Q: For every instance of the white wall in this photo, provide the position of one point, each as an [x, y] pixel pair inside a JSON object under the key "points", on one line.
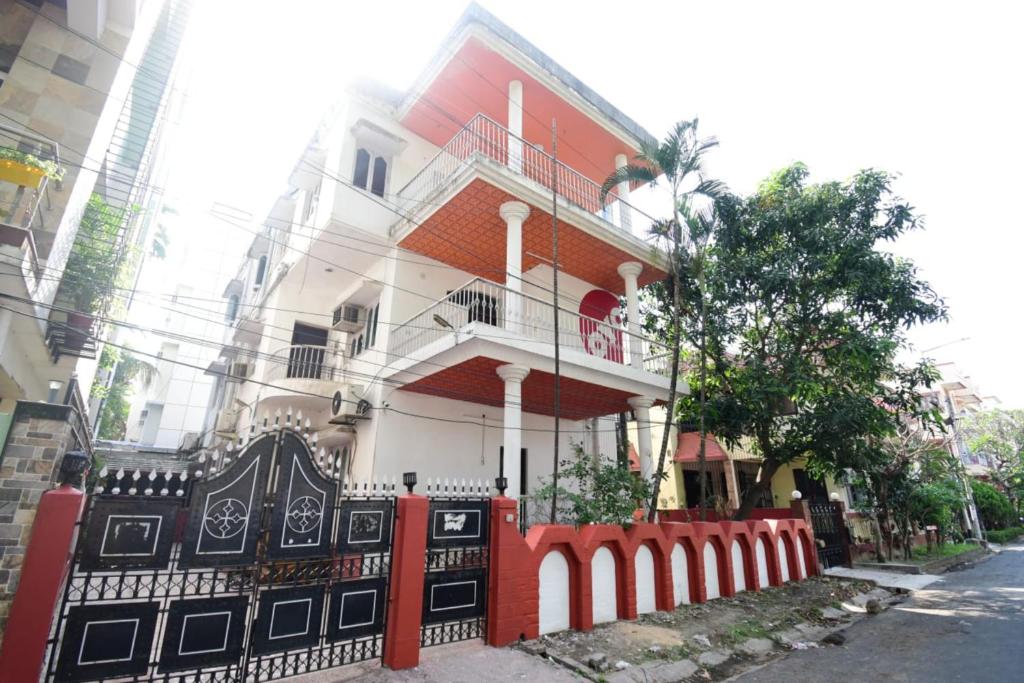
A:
{"points": [[762, 564], [739, 574], [554, 593], [801, 570], [783, 560], [644, 563], [711, 582], [680, 576], [605, 592]]}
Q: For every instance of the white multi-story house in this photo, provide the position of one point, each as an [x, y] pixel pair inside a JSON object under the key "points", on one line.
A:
{"points": [[400, 294]]}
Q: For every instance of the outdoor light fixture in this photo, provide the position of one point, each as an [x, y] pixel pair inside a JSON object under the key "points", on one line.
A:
{"points": [[409, 480], [833, 496], [442, 322], [501, 483], [796, 495]]}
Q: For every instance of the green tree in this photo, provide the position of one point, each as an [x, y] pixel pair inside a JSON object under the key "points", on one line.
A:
{"points": [[95, 263], [806, 317], [994, 507], [116, 396], [999, 436], [679, 159]]}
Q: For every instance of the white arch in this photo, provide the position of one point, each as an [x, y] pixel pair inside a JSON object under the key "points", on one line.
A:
{"points": [[554, 593], [711, 584], [783, 560], [762, 564], [801, 570], [739, 573], [644, 563], [602, 572], [680, 576]]}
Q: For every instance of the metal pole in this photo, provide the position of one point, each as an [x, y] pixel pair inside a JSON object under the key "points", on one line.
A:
{"points": [[554, 267]]}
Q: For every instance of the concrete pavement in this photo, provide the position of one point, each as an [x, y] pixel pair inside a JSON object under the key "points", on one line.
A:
{"points": [[910, 582], [969, 627]]}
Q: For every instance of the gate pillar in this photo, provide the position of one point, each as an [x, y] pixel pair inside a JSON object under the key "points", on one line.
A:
{"points": [[42, 577], [513, 600], [405, 594]]}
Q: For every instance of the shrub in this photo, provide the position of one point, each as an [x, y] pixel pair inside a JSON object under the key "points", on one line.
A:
{"points": [[994, 507], [1005, 535], [935, 504]]}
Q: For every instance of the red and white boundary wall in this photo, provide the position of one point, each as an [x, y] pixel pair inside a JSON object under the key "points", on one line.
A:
{"points": [[557, 577]]}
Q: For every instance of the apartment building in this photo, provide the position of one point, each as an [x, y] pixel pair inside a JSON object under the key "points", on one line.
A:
{"points": [[400, 294], [83, 86]]}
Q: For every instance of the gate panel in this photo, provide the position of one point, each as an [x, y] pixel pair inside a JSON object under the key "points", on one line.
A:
{"points": [[826, 520], [455, 584], [263, 583]]}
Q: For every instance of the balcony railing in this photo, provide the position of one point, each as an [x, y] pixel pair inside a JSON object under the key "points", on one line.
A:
{"points": [[487, 303], [484, 139], [306, 362], [26, 210]]}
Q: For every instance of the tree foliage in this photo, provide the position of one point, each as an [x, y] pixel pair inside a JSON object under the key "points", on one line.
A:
{"points": [[806, 316], [994, 507], [117, 395], [998, 435]]}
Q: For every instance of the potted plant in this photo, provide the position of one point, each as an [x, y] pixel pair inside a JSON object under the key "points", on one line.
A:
{"points": [[94, 263], [25, 169]]}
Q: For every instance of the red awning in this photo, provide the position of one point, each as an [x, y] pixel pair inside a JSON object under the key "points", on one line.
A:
{"points": [[689, 445]]}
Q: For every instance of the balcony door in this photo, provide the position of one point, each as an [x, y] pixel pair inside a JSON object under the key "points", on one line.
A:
{"points": [[306, 355]]}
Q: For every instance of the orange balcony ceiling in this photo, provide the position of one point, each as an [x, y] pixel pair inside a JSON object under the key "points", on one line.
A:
{"points": [[468, 233], [475, 80], [476, 381]]}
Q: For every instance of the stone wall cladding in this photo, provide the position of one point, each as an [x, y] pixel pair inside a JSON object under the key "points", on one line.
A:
{"points": [[29, 466]]}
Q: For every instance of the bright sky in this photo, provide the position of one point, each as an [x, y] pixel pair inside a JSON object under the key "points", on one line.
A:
{"points": [[928, 90]]}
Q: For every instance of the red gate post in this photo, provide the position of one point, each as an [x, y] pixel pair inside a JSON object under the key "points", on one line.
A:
{"points": [[512, 599], [46, 564], [405, 592]]}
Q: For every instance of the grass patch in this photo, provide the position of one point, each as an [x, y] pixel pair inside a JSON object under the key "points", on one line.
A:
{"points": [[946, 550], [745, 630]]}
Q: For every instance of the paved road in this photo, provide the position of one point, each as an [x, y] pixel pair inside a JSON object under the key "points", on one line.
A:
{"points": [[970, 627]]}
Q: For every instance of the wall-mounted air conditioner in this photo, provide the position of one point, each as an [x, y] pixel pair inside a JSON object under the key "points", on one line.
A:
{"points": [[239, 371], [349, 318], [348, 405]]}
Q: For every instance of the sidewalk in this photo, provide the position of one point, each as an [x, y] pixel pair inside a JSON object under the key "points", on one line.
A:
{"points": [[466, 662], [910, 582]]}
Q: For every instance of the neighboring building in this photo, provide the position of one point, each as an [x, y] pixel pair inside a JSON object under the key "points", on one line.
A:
{"points": [[399, 294], [86, 88]]}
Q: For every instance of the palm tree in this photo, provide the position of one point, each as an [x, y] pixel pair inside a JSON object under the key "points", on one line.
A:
{"points": [[680, 160]]}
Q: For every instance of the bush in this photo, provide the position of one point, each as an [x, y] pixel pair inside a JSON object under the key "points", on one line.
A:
{"points": [[1005, 535], [935, 504], [994, 507]]}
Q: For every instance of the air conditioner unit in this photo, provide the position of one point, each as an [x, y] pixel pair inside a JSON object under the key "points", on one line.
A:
{"points": [[349, 318], [226, 421], [239, 372], [348, 405]]}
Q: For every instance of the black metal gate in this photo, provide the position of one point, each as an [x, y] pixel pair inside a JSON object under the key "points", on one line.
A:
{"points": [[273, 569], [828, 524], [455, 584]]}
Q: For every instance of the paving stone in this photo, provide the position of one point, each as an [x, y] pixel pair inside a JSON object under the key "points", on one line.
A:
{"points": [[713, 658], [757, 646], [833, 613], [672, 672]]}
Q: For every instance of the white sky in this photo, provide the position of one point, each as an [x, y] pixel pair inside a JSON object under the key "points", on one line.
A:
{"points": [[928, 90]]}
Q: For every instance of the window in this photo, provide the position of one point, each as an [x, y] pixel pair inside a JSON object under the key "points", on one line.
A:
{"points": [[232, 311], [261, 271], [371, 172], [366, 337]]}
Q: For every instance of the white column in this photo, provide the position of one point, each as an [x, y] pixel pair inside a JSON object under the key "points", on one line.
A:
{"points": [[515, 126], [514, 213], [513, 375], [641, 406], [630, 271], [625, 218]]}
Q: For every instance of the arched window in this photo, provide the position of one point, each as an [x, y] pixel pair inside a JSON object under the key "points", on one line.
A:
{"points": [[362, 172], [261, 271], [371, 172], [380, 173], [232, 311]]}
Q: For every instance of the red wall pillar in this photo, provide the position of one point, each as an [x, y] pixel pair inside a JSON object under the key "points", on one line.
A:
{"points": [[405, 594], [43, 572], [513, 592]]}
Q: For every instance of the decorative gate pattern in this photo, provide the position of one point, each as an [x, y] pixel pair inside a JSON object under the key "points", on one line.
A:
{"points": [[455, 584], [827, 521], [272, 570]]}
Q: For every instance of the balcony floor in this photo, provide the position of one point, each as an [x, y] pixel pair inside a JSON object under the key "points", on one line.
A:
{"points": [[467, 232]]}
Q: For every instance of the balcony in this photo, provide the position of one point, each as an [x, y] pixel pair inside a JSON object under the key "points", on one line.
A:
{"points": [[303, 377], [484, 140], [519, 317]]}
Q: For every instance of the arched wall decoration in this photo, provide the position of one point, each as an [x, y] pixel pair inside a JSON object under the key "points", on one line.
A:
{"points": [[604, 337]]}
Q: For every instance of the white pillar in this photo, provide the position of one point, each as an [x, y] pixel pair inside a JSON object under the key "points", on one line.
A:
{"points": [[625, 218], [513, 213], [630, 271], [515, 126], [641, 406], [513, 375]]}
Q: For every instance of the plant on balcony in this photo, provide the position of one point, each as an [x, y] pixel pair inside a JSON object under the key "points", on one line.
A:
{"points": [[26, 169], [679, 159], [95, 263]]}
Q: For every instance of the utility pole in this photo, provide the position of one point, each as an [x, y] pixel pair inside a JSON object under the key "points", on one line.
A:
{"points": [[554, 270]]}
